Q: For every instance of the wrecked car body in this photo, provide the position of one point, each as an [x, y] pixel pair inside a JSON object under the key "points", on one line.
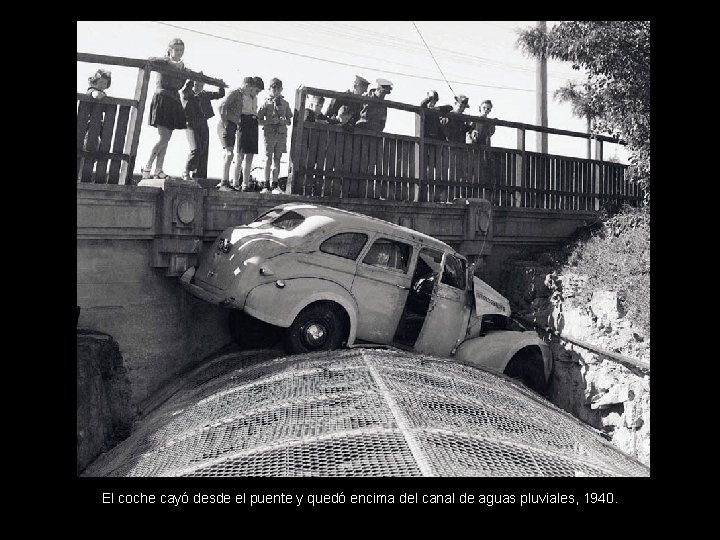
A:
{"points": [[327, 278]]}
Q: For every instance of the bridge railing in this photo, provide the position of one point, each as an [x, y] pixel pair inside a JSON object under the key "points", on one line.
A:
{"points": [[332, 161], [108, 129]]}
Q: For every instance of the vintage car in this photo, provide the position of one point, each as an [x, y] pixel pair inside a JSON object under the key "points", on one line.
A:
{"points": [[326, 278]]}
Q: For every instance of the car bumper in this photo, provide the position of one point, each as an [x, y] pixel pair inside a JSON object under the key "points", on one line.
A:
{"points": [[186, 280]]}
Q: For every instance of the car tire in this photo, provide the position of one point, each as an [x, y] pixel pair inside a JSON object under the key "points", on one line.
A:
{"points": [[251, 333], [527, 367], [318, 327]]}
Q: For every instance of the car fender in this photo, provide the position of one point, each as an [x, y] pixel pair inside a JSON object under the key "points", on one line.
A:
{"points": [[280, 305], [497, 348]]}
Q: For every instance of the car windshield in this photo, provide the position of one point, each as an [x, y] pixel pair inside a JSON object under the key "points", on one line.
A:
{"points": [[278, 218]]}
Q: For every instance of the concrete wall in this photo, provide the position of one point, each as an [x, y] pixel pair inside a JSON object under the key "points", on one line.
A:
{"points": [[132, 242]]}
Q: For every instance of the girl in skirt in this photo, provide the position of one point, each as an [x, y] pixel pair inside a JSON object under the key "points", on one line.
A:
{"points": [[166, 110]]}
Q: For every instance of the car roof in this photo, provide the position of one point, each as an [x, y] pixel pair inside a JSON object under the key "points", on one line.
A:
{"points": [[354, 219]]}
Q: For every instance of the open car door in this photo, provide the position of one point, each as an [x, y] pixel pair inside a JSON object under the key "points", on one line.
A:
{"points": [[449, 311]]}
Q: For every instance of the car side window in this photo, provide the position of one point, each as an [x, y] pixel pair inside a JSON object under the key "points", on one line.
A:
{"points": [[454, 272], [389, 254], [346, 245]]}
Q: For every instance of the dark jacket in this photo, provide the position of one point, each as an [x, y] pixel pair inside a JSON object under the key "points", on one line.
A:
{"points": [[432, 129], [198, 108], [169, 84], [373, 115], [485, 130], [456, 129], [353, 107]]}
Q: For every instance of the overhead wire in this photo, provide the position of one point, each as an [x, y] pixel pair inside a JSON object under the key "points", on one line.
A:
{"points": [[306, 43], [412, 47], [433, 57], [311, 57]]}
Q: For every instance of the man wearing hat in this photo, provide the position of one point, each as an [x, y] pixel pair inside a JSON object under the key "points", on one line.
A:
{"points": [[455, 128], [351, 111], [374, 114], [274, 116]]}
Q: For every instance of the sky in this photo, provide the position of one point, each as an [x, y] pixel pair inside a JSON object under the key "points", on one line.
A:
{"points": [[478, 58]]}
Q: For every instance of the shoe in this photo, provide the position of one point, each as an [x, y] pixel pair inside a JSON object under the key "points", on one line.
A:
{"points": [[247, 189], [277, 191], [186, 176], [236, 188], [222, 183], [225, 187], [265, 190], [161, 175], [145, 173]]}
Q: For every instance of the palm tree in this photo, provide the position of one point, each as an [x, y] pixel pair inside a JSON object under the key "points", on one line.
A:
{"points": [[580, 103]]}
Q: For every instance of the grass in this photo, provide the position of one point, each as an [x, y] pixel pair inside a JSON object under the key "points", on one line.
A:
{"points": [[615, 256]]}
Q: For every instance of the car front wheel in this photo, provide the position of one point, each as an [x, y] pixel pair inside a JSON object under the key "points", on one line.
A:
{"points": [[316, 328]]}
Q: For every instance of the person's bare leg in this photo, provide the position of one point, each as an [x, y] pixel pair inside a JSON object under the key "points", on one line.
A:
{"points": [[227, 161], [247, 169], [161, 148], [268, 166], [162, 143], [276, 167], [238, 169]]}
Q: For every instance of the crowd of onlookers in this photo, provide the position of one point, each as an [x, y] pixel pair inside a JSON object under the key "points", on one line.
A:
{"points": [[182, 103]]}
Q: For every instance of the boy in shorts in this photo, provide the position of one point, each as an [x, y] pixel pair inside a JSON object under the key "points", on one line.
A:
{"points": [[275, 116], [238, 117]]}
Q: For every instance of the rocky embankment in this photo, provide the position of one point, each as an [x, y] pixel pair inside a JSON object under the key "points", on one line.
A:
{"points": [[104, 414], [607, 394]]}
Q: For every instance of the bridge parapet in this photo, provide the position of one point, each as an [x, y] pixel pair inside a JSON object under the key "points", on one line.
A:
{"points": [[349, 162]]}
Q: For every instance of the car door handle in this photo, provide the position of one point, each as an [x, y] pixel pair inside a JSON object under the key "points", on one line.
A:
{"points": [[402, 287]]}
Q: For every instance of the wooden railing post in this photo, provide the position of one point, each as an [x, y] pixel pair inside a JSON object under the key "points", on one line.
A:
{"points": [[296, 142], [134, 125], [520, 167], [598, 172], [420, 154]]}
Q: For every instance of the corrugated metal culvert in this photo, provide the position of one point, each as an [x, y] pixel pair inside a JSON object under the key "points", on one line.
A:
{"points": [[359, 412]]}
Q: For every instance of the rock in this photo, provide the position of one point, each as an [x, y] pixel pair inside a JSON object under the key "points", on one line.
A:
{"points": [[605, 304], [104, 414], [618, 393]]}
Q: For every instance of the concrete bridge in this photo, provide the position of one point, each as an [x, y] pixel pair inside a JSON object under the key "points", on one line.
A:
{"points": [[134, 240]]}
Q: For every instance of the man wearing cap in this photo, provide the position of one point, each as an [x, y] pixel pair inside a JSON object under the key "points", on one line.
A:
{"points": [[274, 116], [351, 111], [374, 114], [455, 128], [238, 112]]}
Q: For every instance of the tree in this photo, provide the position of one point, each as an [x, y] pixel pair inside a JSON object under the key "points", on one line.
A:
{"points": [[580, 103], [616, 58]]}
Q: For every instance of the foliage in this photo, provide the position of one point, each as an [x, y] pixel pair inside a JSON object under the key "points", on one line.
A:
{"points": [[578, 98], [616, 257], [616, 58]]}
